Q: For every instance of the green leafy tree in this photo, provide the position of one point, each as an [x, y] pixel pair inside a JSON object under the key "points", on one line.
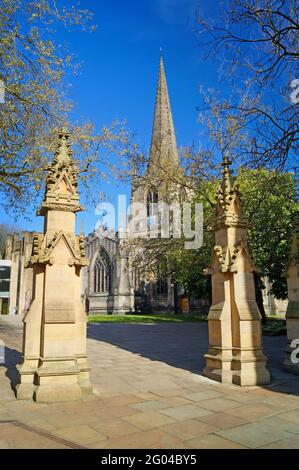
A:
{"points": [[34, 67], [269, 203]]}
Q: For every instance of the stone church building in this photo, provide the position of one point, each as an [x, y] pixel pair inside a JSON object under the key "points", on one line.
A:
{"points": [[109, 283]]}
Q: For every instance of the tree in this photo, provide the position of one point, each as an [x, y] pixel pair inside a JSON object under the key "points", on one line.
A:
{"points": [[269, 200], [269, 203], [256, 43], [33, 69]]}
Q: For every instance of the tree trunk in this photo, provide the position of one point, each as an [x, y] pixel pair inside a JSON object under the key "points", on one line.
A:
{"points": [[259, 297]]}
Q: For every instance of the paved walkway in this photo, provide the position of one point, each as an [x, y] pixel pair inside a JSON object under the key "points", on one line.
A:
{"points": [[149, 394]]}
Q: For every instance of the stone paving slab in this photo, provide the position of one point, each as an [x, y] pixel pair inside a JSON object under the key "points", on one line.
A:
{"points": [[149, 393]]}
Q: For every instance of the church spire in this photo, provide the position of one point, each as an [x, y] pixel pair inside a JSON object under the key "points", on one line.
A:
{"points": [[163, 152]]}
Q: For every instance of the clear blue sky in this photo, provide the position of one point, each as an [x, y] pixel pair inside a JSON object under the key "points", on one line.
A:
{"points": [[119, 72]]}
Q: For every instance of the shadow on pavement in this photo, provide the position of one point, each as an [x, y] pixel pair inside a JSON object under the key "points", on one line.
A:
{"points": [[184, 345]]}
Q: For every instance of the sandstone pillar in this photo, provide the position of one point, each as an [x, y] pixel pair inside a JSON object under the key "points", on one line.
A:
{"points": [[292, 315], [124, 293], [235, 340], [54, 364]]}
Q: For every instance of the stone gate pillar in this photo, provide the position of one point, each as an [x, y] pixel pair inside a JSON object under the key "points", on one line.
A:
{"points": [[54, 364], [292, 315], [235, 340]]}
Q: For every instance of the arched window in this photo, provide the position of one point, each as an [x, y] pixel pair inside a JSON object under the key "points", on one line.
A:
{"points": [[152, 198], [102, 274], [162, 281]]}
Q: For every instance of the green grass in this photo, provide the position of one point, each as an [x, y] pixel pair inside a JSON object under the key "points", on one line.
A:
{"points": [[158, 318], [275, 326]]}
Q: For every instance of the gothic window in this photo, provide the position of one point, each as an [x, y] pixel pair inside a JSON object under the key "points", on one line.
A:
{"points": [[136, 279], [162, 286], [152, 198], [162, 281], [102, 274]]}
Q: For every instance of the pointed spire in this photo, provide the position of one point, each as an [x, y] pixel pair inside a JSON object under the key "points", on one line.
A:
{"points": [[229, 208], [227, 179], [62, 180], [163, 150]]}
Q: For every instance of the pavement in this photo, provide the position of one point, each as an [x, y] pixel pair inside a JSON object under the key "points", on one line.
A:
{"points": [[149, 393]]}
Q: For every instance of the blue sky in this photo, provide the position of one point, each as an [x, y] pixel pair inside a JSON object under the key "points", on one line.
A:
{"points": [[119, 72]]}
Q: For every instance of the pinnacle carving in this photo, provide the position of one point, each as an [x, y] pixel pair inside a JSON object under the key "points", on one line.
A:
{"points": [[44, 249], [229, 210], [229, 214], [62, 179]]}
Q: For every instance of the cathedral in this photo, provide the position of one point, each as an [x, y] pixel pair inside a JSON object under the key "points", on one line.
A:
{"points": [[110, 284]]}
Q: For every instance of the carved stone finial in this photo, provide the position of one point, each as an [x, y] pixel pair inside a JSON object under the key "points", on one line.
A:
{"points": [[227, 180], [63, 151], [62, 179]]}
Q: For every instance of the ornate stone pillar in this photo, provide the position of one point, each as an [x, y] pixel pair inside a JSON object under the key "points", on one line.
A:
{"points": [[235, 340], [123, 290], [292, 315], [54, 364]]}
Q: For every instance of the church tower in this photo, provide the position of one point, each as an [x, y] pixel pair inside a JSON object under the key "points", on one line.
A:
{"points": [[163, 160], [163, 151], [155, 186]]}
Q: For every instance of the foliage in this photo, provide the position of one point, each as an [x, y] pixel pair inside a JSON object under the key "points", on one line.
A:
{"points": [[269, 203], [275, 327], [34, 66], [256, 45]]}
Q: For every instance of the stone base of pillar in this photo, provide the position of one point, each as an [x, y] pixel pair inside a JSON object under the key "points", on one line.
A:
{"points": [[55, 393], [25, 391], [54, 380], [57, 380], [218, 365], [249, 370], [83, 378], [26, 387]]}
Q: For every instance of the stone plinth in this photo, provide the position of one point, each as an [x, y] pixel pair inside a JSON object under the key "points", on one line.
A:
{"points": [[54, 364], [235, 340]]}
